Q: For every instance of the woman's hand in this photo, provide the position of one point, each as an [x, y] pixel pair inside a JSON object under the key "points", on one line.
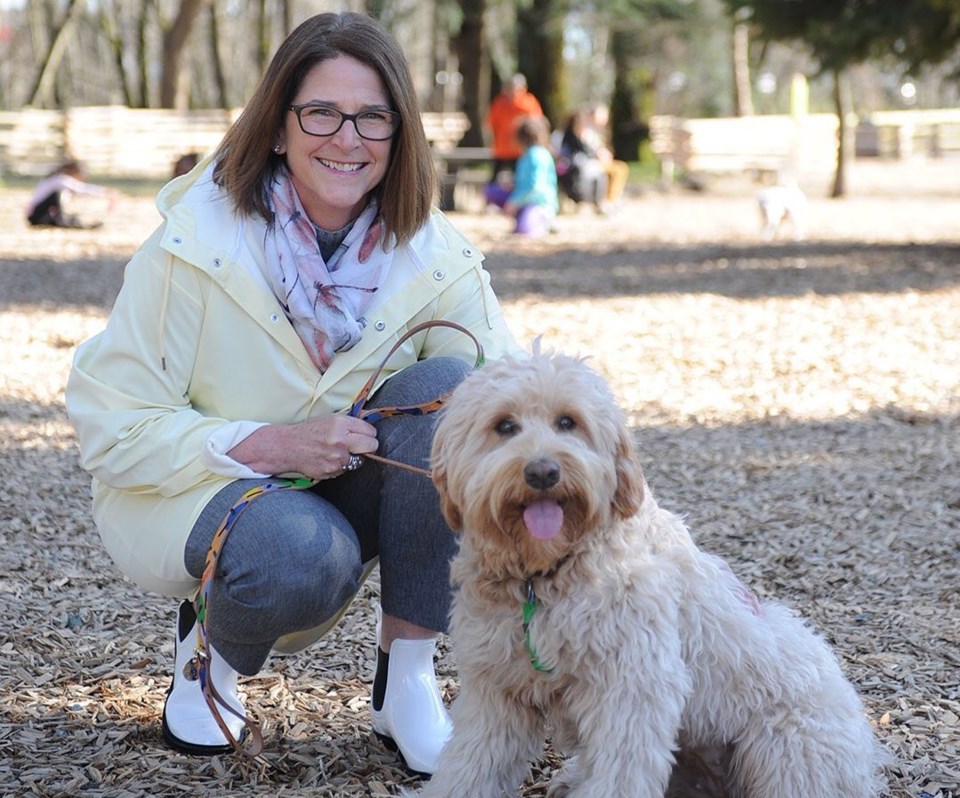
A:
{"points": [[318, 448]]}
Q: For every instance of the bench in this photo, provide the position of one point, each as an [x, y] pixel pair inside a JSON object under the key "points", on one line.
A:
{"points": [[462, 173], [761, 146], [444, 129], [457, 167]]}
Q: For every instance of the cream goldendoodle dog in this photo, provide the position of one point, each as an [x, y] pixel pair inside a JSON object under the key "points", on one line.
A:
{"points": [[585, 612]]}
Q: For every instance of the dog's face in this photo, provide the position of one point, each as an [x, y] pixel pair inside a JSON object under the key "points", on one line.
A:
{"points": [[533, 454]]}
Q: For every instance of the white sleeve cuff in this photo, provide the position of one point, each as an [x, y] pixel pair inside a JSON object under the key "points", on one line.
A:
{"points": [[214, 455]]}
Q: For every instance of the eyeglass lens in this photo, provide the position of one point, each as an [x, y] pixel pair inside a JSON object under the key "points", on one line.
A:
{"points": [[322, 120]]}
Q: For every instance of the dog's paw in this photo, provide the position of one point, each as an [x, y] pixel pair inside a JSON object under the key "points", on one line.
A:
{"points": [[566, 781]]}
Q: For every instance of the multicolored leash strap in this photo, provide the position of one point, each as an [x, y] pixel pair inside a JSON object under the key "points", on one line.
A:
{"points": [[251, 741]]}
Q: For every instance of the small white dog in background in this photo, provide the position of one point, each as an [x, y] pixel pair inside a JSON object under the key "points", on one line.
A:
{"points": [[781, 206], [584, 612]]}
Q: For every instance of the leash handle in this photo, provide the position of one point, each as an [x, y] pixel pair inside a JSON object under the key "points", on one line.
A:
{"points": [[359, 410]]}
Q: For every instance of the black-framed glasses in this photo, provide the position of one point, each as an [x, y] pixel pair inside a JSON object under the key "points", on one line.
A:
{"points": [[322, 120]]}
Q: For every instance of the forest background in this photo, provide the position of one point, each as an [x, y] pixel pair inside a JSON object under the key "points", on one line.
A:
{"points": [[640, 57]]}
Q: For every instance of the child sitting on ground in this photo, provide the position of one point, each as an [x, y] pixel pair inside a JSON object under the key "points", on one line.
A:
{"points": [[45, 208], [532, 200]]}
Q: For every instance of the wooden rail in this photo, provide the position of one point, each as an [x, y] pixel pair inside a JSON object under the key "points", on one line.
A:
{"points": [[116, 141]]}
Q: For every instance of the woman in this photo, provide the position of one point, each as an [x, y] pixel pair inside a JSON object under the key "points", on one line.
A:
{"points": [[595, 135], [284, 271], [532, 199], [582, 176]]}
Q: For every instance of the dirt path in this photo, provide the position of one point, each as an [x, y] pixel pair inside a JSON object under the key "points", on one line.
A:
{"points": [[798, 402]]}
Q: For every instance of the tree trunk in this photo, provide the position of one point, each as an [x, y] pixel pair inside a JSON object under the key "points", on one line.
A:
{"points": [[540, 49], [474, 59], [219, 77], [111, 29], [41, 93], [742, 96], [628, 102], [287, 13], [263, 37], [174, 46], [143, 62], [840, 105]]}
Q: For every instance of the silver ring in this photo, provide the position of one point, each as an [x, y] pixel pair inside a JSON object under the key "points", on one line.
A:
{"points": [[353, 463]]}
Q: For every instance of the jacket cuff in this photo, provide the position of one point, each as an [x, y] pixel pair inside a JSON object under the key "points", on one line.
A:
{"points": [[214, 454]]}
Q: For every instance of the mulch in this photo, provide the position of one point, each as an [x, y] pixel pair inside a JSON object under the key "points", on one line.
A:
{"points": [[797, 402]]}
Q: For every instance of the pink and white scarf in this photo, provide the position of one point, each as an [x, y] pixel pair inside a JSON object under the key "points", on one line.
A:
{"points": [[325, 302]]}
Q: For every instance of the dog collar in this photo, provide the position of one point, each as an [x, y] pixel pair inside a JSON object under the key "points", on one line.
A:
{"points": [[529, 608]]}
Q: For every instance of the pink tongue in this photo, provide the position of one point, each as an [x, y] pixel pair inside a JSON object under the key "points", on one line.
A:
{"points": [[543, 519]]}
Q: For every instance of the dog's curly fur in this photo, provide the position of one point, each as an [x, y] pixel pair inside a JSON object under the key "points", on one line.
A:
{"points": [[644, 639]]}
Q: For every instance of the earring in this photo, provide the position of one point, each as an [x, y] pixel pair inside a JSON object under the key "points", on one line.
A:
{"points": [[278, 149]]}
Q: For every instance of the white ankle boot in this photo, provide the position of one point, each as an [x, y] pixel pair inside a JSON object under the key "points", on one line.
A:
{"points": [[413, 718], [188, 723]]}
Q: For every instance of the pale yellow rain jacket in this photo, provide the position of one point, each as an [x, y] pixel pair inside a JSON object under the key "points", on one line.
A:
{"points": [[197, 340]]}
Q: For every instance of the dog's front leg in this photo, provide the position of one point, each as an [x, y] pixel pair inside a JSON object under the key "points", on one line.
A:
{"points": [[628, 717], [494, 739]]}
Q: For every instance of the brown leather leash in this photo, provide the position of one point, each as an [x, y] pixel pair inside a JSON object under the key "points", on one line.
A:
{"points": [[251, 743]]}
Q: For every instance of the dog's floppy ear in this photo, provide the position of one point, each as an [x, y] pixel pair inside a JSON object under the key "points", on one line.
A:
{"points": [[629, 493], [451, 513], [440, 477]]}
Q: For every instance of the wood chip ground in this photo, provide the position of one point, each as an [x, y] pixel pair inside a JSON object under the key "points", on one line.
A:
{"points": [[799, 403]]}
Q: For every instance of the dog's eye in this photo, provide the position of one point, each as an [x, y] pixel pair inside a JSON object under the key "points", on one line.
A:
{"points": [[566, 423], [506, 426]]}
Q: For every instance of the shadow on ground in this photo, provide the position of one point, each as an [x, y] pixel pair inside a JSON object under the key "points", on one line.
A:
{"points": [[736, 271]]}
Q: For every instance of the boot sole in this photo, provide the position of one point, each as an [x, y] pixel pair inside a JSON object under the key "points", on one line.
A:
{"points": [[390, 745], [194, 749]]}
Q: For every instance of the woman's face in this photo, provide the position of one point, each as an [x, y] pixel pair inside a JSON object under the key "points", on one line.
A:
{"points": [[334, 174]]}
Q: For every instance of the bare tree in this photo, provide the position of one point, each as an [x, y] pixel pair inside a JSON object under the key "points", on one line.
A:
{"points": [[111, 26], [213, 41], [286, 12], [263, 36], [42, 92], [175, 41], [143, 61]]}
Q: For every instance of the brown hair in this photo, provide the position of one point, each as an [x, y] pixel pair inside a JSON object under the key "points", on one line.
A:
{"points": [[245, 158], [532, 130], [71, 167]]}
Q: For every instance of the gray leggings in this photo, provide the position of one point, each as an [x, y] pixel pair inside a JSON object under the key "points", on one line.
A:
{"points": [[295, 556]]}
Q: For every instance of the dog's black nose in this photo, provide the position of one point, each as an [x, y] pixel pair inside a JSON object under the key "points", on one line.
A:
{"points": [[541, 474]]}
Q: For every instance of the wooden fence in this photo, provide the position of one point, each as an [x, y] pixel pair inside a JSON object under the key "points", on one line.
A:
{"points": [[116, 141], [902, 134], [769, 144]]}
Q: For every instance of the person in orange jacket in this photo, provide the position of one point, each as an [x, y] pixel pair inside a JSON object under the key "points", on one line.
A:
{"points": [[506, 110]]}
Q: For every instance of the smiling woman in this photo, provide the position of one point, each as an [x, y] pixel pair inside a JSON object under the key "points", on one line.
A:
{"points": [[332, 165], [287, 267]]}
